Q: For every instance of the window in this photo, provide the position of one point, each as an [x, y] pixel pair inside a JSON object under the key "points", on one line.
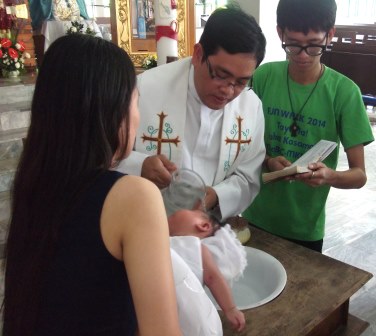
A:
{"points": [[356, 11], [203, 9], [98, 8]]}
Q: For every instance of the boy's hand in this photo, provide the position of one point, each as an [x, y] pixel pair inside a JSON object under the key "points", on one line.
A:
{"points": [[277, 163], [236, 318]]}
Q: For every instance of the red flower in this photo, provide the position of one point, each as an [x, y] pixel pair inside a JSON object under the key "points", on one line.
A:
{"points": [[13, 53], [1, 53], [20, 46], [5, 43]]}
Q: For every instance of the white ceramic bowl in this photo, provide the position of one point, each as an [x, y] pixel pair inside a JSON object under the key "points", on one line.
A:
{"points": [[263, 280]]}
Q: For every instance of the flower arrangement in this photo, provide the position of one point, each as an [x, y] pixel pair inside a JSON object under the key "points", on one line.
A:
{"points": [[12, 55], [149, 62], [78, 28]]}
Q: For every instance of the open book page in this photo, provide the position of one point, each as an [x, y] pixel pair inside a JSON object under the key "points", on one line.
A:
{"points": [[317, 153]]}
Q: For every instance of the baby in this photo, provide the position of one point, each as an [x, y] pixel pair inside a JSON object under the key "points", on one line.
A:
{"points": [[187, 228]]}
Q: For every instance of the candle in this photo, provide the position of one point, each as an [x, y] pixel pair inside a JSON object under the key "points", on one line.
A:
{"points": [[166, 29]]}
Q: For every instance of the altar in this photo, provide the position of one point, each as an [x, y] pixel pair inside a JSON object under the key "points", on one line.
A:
{"points": [[52, 29]]}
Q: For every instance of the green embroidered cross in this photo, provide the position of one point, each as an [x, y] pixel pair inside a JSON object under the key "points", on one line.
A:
{"points": [[159, 139], [239, 141]]}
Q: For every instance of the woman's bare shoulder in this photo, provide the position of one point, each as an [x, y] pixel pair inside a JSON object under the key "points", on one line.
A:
{"points": [[136, 198], [132, 207], [132, 188]]}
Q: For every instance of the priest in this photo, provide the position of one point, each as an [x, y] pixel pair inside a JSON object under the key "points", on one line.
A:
{"points": [[200, 113]]}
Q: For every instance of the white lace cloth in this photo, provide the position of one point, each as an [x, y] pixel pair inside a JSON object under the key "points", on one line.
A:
{"points": [[228, 252]]}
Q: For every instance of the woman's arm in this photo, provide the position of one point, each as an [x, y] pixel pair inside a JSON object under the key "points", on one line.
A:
{"points": [[218, 286], [134, 230]]}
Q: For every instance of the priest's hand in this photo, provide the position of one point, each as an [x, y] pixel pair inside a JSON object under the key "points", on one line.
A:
{"points": [[158, 169], [211, 198]]}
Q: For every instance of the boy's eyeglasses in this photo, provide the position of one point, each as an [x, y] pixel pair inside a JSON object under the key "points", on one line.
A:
{"points": [[236, 84], [310, 49]]}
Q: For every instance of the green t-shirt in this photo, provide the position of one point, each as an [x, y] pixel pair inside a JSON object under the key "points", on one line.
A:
{"points": [[334, 112]]}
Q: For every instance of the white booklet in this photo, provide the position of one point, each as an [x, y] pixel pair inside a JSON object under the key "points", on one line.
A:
{"points": [[317, 153]]}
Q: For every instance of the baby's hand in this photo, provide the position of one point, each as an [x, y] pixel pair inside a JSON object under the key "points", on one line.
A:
{"points": [[236, 318]]}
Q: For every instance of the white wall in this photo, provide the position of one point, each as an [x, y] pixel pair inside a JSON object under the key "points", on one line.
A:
{"points": [[250, 6], [265, 14], [268, 24]]}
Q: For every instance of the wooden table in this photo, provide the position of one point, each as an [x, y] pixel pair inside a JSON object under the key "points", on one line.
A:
{"points": [[315, 301]]}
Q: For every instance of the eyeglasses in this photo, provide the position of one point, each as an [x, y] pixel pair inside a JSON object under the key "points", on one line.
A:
{"points": [[227, 80], [310, 49]]}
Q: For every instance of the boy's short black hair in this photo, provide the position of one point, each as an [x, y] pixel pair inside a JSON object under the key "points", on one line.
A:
{"points": [[306, 15]]}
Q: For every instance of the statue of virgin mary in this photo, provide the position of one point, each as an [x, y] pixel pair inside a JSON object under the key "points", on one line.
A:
{"points": [[61, 10]]}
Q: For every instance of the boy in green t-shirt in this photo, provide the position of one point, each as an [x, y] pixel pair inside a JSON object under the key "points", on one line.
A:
{"points": [[304, 102]]}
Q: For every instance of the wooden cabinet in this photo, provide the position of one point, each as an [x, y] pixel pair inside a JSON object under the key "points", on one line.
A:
{"points": [[143, 45], [138, 49], [353, 53]]}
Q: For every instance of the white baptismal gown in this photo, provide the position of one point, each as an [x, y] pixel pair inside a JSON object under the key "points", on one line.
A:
{"points": [[197, 314]]}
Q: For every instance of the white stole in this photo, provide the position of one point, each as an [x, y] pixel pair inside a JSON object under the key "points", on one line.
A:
{"points": [[163, 109], [236, 136]]}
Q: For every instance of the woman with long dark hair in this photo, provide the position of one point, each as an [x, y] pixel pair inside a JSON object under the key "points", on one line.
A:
{"points": [[88, 248]]}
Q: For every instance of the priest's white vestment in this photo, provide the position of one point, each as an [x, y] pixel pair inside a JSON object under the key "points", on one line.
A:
{"points": [[163, 108]]}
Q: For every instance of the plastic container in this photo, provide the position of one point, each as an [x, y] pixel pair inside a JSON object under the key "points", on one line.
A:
{"points": [[187, 190]]}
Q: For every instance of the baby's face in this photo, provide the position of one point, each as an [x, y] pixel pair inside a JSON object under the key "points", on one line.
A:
{"points": [[183, 222]]}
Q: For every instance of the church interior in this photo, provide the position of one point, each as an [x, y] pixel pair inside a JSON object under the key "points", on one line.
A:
{"points": [[351, 214]]}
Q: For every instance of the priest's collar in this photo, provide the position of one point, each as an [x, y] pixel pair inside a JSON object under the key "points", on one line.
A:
{"points": [[191, 85]]}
